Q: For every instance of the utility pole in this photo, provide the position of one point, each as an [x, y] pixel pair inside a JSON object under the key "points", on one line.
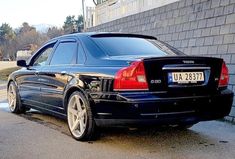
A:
{"points": [[83, 14], [95, 2]]}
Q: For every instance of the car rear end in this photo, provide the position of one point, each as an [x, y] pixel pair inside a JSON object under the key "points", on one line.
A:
{"points": [[171, 89], [182, 86]]}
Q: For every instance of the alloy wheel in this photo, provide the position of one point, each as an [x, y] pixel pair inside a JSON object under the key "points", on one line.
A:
{"points": [[11, 95], [77, 115]]}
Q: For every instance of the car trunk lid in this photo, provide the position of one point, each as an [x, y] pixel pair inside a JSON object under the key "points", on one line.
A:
{"points": [[183, 74]]}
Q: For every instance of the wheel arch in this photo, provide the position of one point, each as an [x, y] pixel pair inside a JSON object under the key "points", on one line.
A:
{"points": [[9, 81], [70, 91], [89, 132]]}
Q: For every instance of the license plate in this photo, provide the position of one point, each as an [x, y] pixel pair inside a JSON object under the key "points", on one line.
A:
{"points": [[185, 77]]}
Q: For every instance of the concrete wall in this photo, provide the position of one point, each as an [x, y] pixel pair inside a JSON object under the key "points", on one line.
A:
{"points": [[196, 27], [114, 9]]}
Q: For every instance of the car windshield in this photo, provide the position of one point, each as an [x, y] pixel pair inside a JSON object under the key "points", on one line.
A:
{"points": [[121, 46]]}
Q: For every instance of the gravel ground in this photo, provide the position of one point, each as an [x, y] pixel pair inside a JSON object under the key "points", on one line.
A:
{"points": [[7, 64], [4, 65]]}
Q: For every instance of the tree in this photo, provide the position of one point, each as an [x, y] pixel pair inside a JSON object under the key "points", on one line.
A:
{"points": [[26, 28], [28, 36], [7, 37], [72, 24], [6, 33], [54, 32], [24, 38], [80, 23]]}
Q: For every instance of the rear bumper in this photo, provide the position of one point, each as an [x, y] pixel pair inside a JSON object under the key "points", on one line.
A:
{"points": [[153, 108]]}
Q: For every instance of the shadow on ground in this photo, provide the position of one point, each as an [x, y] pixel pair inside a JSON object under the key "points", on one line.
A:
{"points": [[131, 137]]}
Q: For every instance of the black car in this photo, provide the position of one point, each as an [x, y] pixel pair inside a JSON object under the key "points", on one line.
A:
{"points": [[97, 79]]}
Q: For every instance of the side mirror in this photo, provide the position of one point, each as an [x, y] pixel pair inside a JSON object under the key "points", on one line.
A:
{"points": [[21, 63]]}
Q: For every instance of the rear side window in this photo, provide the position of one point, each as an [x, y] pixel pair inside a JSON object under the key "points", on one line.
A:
{"points": [[64, 54], [118, 46]]}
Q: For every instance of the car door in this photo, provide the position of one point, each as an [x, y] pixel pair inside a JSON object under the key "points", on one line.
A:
{"points": [[29, 81], [54, 77]]}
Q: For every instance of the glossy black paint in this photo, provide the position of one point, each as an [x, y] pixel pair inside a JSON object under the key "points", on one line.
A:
{"points": [[21, 63], [47, 88]]}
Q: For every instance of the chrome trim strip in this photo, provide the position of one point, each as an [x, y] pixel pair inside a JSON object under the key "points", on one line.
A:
{"points": [[28, 100], [138, 93], [162, 99], [41, 89], [104, 113], [30, 87], [186, 68], [149, 114], [127, 93], [49, 90], [170, 113], [149, 99], [31, 106]]}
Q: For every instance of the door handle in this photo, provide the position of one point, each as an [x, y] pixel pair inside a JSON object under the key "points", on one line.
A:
{"points": [[36, 73], [63, 72]]}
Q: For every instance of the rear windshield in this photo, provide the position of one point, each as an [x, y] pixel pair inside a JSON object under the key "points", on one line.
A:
{"points": [[118, 46]]}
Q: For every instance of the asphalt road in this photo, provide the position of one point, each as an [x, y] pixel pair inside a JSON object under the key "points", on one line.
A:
{"points": [[36, 135]]}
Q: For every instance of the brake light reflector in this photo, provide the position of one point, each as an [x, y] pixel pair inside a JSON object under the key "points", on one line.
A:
{"points": [[131, 78], [224, 76]]}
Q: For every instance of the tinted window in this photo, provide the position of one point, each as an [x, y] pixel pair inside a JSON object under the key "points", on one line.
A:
{"points": [[116, 46], [41, 60], [64, 53]]}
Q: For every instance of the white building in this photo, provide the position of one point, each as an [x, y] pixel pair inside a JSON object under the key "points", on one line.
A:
{"points": [[23, 54], [90, 17], [108, 10]]}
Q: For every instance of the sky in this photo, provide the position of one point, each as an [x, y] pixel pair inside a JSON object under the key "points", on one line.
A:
{"points": [[35, 12]]}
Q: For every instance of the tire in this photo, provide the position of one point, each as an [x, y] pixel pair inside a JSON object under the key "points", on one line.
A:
{"points": [[80, 118], [14, 100]]}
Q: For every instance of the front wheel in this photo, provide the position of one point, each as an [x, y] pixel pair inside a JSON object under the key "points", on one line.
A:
{"points": [[14, 101], [80, 118]]}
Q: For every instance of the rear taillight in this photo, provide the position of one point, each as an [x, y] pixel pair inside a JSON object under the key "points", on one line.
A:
{"points": [[131, 78], [224, 76]]}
